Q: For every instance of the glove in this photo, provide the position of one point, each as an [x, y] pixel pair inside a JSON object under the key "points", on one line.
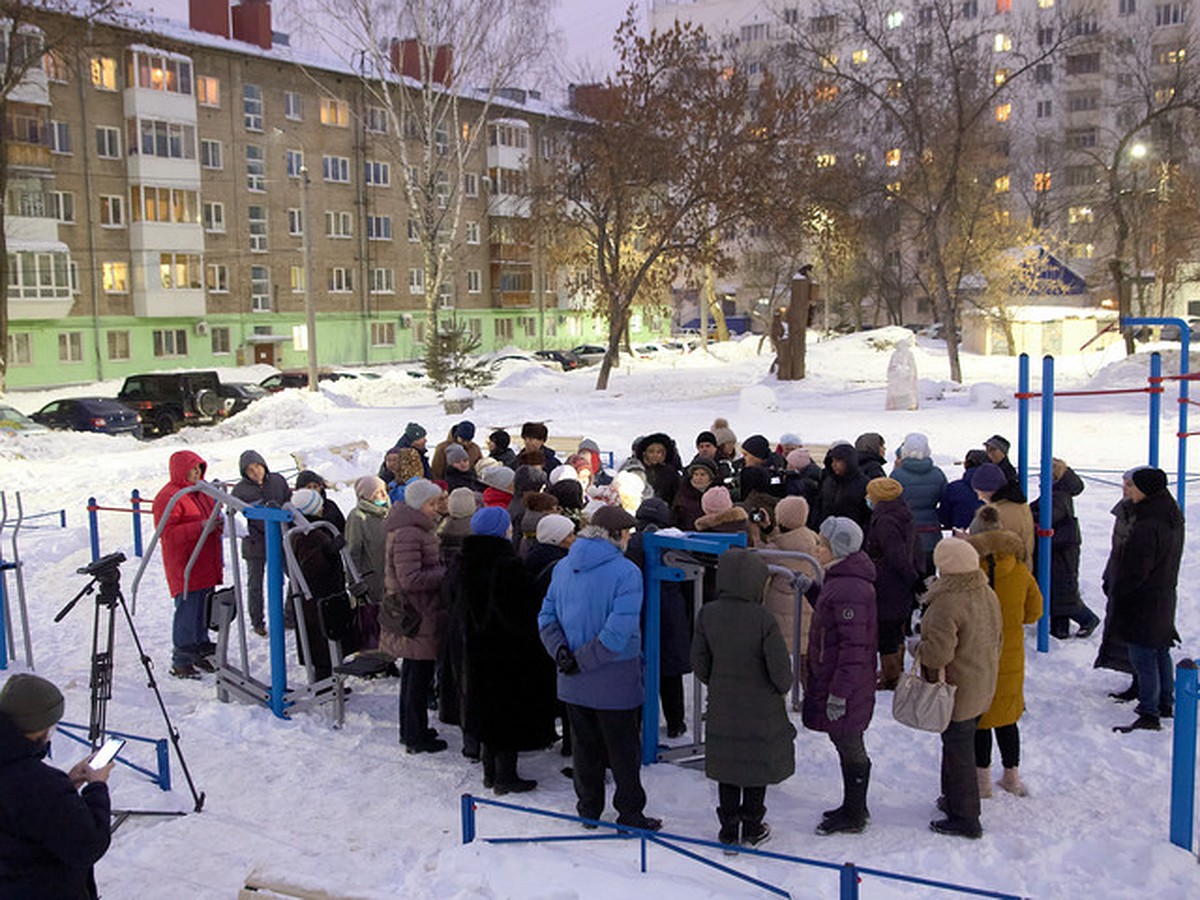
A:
{"points": [[835, 708], [565, 660]]}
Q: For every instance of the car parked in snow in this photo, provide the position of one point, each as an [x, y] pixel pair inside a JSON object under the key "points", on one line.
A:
{"points": [[242, 393], [567, 360], [167, 401], [589, 354], [15, 422], [99, 414]]}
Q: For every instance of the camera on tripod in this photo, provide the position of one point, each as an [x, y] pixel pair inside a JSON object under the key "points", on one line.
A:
{"points": [[104, 566]]}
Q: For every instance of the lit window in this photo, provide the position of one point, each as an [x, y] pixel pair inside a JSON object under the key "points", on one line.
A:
{"points": [[335, 112], [298, 279], [1001, 184], [895, 19], [892, 157], [829, 61], [1041, 181], [860, 57], [1080, 215], [115, 277], [1001, 76], [104, 73], [208, 91], [893, 187], [826, 160], [1045, 4], [1003, 112], [1002, 42], [1003, 6]]}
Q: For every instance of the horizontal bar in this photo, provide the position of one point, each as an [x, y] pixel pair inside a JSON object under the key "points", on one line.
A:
{"points": [[1026, 395], [144, 512]]}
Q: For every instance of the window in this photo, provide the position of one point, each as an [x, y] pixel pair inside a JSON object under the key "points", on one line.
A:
{"points": [[441, 141], [260, 289], [336, 168], [925, 16], [257, 216], [252, 107], [1045, 109], [1170, 56], [860, 57], [112, 211], [1045, 36], [1045, 4], [1168, 14], [108, 142], [970, 9], [383, 334], [1002, 42], [1127, 7], [375, 120], [1080, 215], [383, 281], [160, 204], [414, 233], [1000, 76], [156, 72], [210, 154], [503, 328], [55, 66], [170, 342], [294, 163], [826, 160], [1003, 6], [338, 225], [20, 348], [895, 19], [335, 112], [1083, 63], [115, 277], [62, 204], [214, 217], [208, 91], [217, 279], [156, 137], [179, 271], [118, 344], [379, 228], [1003, 112], [823, 24], [1080, 176], [70, 346], [295, 222], [292, 108], [416, 281], [759, 32], [1043, 73], [256, 169], [1001, 184], [892, 157], [104, 73], [1087, 24], [299, 279], [340, 281], [1082, 101], [378, 174], [470, 184], [1081, 138], [1041, 181], [474, 281], [60, 137]]}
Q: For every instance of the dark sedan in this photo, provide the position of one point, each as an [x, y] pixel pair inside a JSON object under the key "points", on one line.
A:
{"points": [[564, 358], [242, 393], [97, 414]]}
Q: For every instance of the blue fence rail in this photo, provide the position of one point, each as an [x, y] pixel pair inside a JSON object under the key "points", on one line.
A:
{"points": [[849, 874], [162, 753], [1183, 754]]}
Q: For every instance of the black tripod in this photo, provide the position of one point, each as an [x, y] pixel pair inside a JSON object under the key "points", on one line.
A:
{"points": [[106, 573]]}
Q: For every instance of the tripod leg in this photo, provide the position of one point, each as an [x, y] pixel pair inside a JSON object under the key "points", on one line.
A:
{"points": [[102, 665]]}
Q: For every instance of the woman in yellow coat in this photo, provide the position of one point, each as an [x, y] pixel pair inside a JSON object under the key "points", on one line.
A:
{"points": [[1002, 558]]}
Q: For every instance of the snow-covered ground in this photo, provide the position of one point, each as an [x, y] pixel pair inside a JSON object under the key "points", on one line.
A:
{"points": [[348, 812]]}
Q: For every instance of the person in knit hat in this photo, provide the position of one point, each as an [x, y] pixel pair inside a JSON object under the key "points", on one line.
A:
{"points": [[961, 632], [996, 448], [414, 436], [499, 486], [366, 541], [959, 500], [458, 471], [924, 485], [792, 535], [706, 445], [498, 447], [892, 544], [51, 832], [534, 436], [1114, 653], [698, 477], [720, 514], [726, 441], [461, 435], [802, 476], [1145, 575], [1066, 602], [330, 511], [993, 488]]}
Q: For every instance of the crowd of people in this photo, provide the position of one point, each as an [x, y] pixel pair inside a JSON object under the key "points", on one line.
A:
{"points": [[508, 586]]}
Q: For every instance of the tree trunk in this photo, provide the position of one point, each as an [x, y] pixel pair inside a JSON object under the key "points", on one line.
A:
{"points": [[714, 305], [1121, 284]]}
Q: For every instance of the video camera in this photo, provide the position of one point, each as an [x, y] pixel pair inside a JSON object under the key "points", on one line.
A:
{"points": [[104, 566]]}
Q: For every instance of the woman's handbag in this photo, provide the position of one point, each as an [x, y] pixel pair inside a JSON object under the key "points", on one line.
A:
{"points": [[397, 614], [924, 705]]}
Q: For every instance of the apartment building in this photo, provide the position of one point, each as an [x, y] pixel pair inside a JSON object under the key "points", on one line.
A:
{"points": [[1057, 133], [176, 192]]}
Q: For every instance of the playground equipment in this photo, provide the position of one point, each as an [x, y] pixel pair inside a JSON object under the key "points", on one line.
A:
{"points": [[13, 564]]}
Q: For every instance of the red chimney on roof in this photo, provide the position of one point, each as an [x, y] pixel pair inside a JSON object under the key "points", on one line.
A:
{"points": [[407, 61], [252, 22], [209, 16]]}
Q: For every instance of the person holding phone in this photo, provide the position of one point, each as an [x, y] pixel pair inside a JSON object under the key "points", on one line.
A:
{"points": [[54, 825]]}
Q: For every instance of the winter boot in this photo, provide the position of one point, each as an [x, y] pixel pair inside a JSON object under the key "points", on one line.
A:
{"points": [[852, 817], [1141, 723], [891, 667], [488, 757], [967, 828], [755, 834], [1130, 693], [507, 779], [1011, 782], [731, 822], [984, 777]]}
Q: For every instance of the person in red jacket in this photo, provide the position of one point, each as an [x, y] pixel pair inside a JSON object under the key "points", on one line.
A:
{"points": [[189, 633]]}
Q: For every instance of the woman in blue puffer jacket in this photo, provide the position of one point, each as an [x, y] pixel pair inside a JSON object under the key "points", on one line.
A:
{"points": [[923, 483]]}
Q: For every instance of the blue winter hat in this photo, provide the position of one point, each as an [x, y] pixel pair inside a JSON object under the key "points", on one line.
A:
{"points": [[988, 477], [465, 430], [492, 521]]}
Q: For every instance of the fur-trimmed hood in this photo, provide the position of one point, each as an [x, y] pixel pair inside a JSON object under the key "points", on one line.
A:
{"points": [[1000, 542], [734, 515]]}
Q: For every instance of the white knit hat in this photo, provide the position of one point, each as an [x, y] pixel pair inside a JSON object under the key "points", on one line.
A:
{"points": [[307, 502], [420, 491], [553, 529]]}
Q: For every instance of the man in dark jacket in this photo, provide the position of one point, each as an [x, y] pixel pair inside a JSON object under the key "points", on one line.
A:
{"points": [[996, 448], [51, 833], [259, 487], [1143, 595], [843, 490], [589, 625]]}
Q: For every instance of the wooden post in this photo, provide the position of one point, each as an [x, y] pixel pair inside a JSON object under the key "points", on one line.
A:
{"points": [[792, 359]]}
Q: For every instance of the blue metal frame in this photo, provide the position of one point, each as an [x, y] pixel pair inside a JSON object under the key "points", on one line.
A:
{"points": [[273, 520], [655, 573], [161, 750], [1185, 337], [1183, 754], [849, 874]]}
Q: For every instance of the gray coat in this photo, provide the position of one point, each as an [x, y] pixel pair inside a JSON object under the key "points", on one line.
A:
{"points": [[739, 652]]}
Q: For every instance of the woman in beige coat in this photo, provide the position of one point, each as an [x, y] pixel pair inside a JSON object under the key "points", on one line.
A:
{"points": [[793, 536]]}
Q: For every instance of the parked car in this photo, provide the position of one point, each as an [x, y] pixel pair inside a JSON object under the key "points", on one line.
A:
{"points": [[167, 401], [516, 358], [589, 354], [567, 360], [242, 393], [298, 378], [14, 422], [1171, 332], [99, 414]]}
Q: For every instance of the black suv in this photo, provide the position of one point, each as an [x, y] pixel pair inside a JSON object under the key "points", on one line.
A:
{"points": [[171, 400]]}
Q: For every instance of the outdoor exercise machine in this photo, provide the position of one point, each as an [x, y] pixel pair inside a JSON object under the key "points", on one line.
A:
{"points": [[12, 563]]}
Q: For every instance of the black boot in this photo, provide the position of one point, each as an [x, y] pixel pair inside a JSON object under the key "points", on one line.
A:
{"points": [[1141, 723], [852, 817], [507, 779], [1130, 693], [731, 821], [488, 757]]}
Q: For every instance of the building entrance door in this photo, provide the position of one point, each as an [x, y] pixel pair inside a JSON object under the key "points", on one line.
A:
{"points": [[264, 353]]}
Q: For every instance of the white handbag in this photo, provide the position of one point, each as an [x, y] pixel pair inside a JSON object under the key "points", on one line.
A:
{"points": [[924, 705]]}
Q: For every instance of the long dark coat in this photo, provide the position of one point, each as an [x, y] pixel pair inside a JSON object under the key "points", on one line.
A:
{"points": [[841, 495], [1113, 654], [273, 491], [675, 619], [318, 557], [1064, 544], [842, 642], [50, 834], [510, 681], [1146, 574], [739, 653], [686, 507], [895, 549]]}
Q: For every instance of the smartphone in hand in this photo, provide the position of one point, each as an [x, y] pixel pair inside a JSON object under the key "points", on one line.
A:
{"points": [[107, 753]]}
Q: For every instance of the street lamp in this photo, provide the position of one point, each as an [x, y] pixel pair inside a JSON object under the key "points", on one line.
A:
{"points": [[310, 310]]}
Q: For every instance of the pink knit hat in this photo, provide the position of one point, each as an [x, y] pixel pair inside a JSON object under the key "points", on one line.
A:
{"points": [[715, 500]]}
